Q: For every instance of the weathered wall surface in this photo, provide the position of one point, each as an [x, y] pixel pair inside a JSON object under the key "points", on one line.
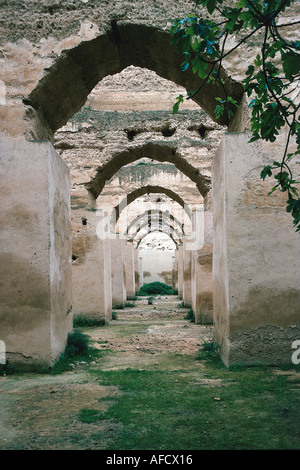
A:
{"points": [[40, 30], [187, 272], [91, 269], [129, 270], [36, 313], [60, 247], [34, 35], [99, 146], [202, 287], [118, 272], [256, 266], [67, 18]]}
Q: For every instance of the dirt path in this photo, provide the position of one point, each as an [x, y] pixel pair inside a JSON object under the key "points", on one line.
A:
{"points": [[42, 411]]}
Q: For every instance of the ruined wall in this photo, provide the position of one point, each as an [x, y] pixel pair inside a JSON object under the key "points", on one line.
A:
{"points": [[93, 141], [92, 138]]}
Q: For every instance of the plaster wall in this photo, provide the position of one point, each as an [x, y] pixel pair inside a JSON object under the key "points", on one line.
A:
{"points": [[141, 270], [91, 272], [256, 262], [118, 272], [129, 270], [36, 310], [202, 289], [187, 273], [180, 270], [137, 277]]}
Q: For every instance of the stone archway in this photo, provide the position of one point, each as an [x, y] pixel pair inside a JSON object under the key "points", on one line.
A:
{"points": [[78, 70], [147, 190], [158, 151], [168, 229], [157, 246], [150, 214], [176, 242]]}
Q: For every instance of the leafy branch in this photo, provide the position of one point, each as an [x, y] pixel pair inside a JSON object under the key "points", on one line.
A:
{"points": [[271, 80]]}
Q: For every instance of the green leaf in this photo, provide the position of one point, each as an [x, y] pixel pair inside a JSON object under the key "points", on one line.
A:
{"points": [[230, 25], [198, 66], [176, 105], [219, 110], [211, 5], [258, 60], [233, 101], [291, 64], [241, 4], [267, 171]]}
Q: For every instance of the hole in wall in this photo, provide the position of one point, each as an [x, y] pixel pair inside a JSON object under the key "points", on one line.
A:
{"points": [[168, 132], [132, 133], [201, 130]]}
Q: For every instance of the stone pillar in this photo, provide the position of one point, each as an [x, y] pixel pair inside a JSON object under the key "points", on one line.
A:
{"points": [[129, 270], [136, 270], [180, 270], [118, 272], [141, 271], [35, 261], [208, 221], [175, 271], [202, 289], [187, 269], [256, 262], [91, 269]]}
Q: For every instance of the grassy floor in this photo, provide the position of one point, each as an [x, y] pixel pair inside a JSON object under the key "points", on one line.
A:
{"points": [[148, 387], [207, 408]]}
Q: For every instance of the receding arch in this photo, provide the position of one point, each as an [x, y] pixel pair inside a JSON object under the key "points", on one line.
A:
{"points": [[78, 70], [150, 214], [130, 175], [170, 229], [149, 189], [159, 151], [179, 242]]}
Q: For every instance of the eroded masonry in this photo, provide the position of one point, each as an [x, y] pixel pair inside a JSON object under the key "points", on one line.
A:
{"points": [[95, 168]]}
